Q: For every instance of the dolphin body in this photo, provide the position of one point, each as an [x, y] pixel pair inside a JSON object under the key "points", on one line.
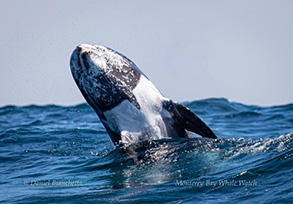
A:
{"points": [[130, 107]]}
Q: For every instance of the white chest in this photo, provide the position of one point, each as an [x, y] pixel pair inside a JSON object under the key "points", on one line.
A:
{"points": [[138, 125]]}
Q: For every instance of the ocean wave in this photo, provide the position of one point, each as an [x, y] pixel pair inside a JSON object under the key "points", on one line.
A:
{"points": [[42, 144]]}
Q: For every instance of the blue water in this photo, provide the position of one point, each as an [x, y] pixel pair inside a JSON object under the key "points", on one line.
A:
{"points": [[56, 154]]}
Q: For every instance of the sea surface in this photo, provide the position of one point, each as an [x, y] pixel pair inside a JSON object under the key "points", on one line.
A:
{"points": [[57, 154]]}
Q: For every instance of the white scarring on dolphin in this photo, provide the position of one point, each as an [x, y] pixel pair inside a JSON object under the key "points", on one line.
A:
{"points": [[128, 104]]}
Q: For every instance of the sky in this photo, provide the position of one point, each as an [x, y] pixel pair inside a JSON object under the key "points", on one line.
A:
{"points": [[191, 50]]}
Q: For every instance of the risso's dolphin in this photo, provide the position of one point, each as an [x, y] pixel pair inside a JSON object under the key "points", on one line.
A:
{"points": [[130, 107]]}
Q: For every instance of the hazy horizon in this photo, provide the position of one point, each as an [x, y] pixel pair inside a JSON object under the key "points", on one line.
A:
{"points": [[191, 50]]}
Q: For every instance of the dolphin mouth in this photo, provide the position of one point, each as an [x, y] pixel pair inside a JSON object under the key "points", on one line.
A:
{"points": [[86, 48], [83, 52], [83, 47]]}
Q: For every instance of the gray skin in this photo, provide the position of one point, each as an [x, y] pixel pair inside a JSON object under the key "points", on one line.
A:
{"points": [[130, 107]]}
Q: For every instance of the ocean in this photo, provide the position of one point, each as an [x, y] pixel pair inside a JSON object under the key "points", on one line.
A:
{"points": [[62, 154]]}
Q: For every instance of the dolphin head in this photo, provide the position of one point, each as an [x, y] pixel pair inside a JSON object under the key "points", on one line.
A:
{"points": [[104, 76], [88, 63]]}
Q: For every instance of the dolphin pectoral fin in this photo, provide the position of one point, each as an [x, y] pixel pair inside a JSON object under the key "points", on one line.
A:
{"points": [[188, 120]]}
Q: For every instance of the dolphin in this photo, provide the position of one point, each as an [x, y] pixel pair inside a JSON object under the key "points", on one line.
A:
{"points": [[128, 104]]}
